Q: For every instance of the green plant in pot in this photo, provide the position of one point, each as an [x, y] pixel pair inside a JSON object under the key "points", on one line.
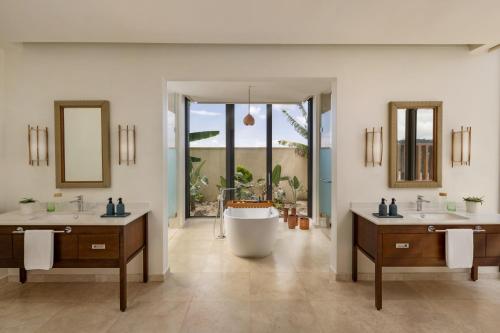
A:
{"points": [[472, 204], [295, 187], [27, 206]]}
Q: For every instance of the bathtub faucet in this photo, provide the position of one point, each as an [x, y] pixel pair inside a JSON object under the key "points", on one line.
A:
{"points": [[223, 191], [220, 199]]}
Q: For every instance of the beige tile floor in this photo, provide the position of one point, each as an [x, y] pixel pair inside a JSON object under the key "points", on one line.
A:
{"points": [[210, 290]]}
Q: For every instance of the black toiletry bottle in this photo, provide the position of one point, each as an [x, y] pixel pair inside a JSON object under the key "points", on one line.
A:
{"points": [[120, 207], [393, 208], [382, 208], [110, 207]]}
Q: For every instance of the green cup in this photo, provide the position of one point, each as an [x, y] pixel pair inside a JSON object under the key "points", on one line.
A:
{"points": [[51, 207], [451, 207]]}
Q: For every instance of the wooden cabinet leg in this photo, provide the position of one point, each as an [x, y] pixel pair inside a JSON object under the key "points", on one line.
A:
{"points": [[474, 272], [354, 248], [354, 263], [378, 285], [123, 272], [23, 275], [145, 255], [123, 287]]}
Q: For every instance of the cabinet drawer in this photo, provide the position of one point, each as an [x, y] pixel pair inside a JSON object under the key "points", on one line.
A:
{"points": [[493, 245], [65, 247], [98, 246], [5, 246], [413, 246]]}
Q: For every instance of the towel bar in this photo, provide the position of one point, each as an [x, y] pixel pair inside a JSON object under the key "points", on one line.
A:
{"points": [[432, 228], [67, 230]]}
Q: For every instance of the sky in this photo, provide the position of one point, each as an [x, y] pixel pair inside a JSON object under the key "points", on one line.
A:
{"points": [[212, 117], [425, 124]]}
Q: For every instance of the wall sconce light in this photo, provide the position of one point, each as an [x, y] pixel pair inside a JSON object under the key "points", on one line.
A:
{"points": [[461, 146], [126, 144], [38, 143], [374, 147]]}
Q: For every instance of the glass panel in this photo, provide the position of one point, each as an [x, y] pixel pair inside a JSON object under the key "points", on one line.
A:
{"points": [[290, 151], [325, 167], [425, 144], [172, 158], [250, 152], [207, 136]]}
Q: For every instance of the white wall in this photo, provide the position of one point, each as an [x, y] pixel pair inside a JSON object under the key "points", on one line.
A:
{"points": [[2, 127], [3, 271], [368, 77]]}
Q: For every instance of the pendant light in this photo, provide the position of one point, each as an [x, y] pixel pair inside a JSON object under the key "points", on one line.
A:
{"points": [[249, 119]]}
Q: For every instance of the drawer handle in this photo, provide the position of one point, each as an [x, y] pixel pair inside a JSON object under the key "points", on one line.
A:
{"points": [[98, 246], [402, 245]]}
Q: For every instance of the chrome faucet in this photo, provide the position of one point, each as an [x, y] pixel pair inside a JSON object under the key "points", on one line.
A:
{"points": [[79, 201], [420, 200]]}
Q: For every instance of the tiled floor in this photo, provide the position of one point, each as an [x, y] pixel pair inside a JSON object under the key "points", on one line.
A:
{"points": [[210, 290]]}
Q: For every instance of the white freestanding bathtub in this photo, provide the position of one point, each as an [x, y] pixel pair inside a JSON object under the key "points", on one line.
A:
{"points": [[251, 232]]}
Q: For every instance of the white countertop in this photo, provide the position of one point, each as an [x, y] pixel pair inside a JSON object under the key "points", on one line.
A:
{"points": [[72, 218], [410, 214]]}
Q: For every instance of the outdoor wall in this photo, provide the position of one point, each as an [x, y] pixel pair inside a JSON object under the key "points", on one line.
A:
{"points": [[368, 77], [254, 159]]}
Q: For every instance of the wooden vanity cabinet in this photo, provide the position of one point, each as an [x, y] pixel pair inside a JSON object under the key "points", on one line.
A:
{"points": [[416, 246], [93, 246]]}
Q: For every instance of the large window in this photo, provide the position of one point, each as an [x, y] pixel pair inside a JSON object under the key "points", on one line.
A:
{"points": [[224, 153], [250, 153], [290, 135], [206, 165]]}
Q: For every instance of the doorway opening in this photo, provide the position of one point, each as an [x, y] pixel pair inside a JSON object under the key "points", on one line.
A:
{"points": [[271, 160]]}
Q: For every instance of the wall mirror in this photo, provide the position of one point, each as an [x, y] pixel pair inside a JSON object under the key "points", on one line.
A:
{"points": [[415, 144], [82, 144]]}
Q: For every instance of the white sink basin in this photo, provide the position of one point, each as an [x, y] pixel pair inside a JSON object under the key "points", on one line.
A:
{"points": [[438, 217], [65, 217]]}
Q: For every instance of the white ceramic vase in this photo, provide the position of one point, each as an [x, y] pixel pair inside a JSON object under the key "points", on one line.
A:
{"points": [[472, 207], [27, 208]]}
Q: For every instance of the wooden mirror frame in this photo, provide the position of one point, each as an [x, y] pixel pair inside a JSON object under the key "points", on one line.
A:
{"points": [[59, 107], [393, 137]]}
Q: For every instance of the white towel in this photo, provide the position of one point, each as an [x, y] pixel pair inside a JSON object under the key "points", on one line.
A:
{"points": [[38, 249], [459, 248]]}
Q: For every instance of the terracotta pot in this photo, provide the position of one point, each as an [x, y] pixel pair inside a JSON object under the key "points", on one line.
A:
{"points": [[285, 214], [292, 221], [294, 211], [304, 223]]}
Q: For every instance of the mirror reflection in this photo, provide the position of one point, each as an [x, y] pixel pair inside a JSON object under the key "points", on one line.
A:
{"points": [[82, 144], [415, 144]]}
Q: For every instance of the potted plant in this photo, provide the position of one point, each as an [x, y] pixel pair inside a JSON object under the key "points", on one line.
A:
{"points": [[292, 221], [27, 206], [278, 192], [472, 204], [295, 187], [304, 223]]}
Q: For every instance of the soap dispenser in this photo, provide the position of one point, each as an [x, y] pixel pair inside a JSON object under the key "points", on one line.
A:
{"points": [[110, 207], [120, 207], [393, 208], [382, 208]]}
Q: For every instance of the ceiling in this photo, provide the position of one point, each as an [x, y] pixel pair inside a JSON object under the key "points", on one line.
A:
{"points": [[275, 91], [252, 21]]}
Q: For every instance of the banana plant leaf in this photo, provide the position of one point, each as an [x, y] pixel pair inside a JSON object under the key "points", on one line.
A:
{"points": [[197, 136]]}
